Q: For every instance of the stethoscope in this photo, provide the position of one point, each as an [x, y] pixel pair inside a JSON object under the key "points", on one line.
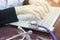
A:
{"points": [[37, 26], [34, 23]]}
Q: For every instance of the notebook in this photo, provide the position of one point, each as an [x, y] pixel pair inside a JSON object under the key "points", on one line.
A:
{"points": [[48, 21]]}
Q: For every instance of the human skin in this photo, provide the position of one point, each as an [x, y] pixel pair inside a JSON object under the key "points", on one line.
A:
{"points": [[38, 9]]}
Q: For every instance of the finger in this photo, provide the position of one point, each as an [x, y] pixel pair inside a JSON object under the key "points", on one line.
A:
{"points": [[47, 5], [40, 8], [37, 10], [36, 15], [44, 4], [41, 3]]}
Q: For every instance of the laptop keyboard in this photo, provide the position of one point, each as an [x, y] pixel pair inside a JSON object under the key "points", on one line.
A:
{"points": [[51, 18]]}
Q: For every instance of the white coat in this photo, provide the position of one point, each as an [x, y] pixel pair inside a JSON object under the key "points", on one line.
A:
{"points": [[10, 3]]}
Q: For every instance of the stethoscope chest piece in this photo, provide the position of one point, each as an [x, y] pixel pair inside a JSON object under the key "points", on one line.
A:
{"points": [[33, 24]]}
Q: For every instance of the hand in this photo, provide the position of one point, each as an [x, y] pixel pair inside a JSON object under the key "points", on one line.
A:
{"points": [[43, 3], [31, 9], [39, 9]]}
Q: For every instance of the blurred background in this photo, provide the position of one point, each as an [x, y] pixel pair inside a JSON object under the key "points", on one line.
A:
{"points": [[54, 2]]}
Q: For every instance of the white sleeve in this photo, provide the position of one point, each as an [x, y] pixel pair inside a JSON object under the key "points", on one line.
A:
{"points": [[2, 4], [21, 1], [10, 3], [13, 3]]}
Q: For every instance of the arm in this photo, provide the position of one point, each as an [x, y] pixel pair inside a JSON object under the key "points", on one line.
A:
{"points": [[9, 15]]}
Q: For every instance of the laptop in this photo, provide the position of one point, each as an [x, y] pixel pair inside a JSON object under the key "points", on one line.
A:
{"points": [[48, 21]]}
